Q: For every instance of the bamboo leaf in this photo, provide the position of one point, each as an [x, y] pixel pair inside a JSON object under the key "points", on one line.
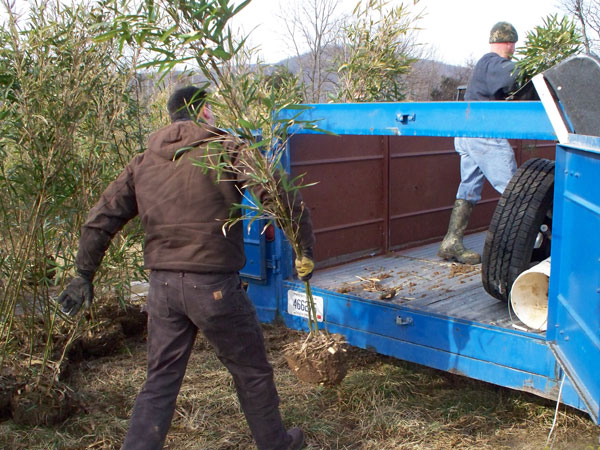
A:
{"points": [[243, 122]]}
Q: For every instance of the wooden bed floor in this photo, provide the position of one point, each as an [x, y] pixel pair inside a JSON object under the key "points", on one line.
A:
{"points": [[417, 278]]}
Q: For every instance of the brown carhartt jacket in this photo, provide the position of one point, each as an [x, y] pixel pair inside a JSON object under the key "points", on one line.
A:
{"points": [[182, 209]]}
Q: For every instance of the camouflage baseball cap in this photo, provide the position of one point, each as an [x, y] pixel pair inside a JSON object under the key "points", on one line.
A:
{"points": [[503, 32]]}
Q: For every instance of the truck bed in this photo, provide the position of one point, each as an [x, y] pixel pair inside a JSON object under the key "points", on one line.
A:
{"points": [[418, 279]]}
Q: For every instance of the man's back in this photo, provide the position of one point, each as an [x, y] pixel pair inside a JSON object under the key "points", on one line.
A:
{"points": [[492, 78], [182, 208]]}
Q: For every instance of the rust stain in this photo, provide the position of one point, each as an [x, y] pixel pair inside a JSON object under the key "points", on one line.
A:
{"points": [[457, 372], [551, 394]]}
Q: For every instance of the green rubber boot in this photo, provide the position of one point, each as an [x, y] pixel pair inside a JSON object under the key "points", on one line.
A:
{"points": [[452, 248]]}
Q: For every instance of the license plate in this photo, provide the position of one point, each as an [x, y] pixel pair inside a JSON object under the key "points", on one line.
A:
{"points": [[298, 306]]}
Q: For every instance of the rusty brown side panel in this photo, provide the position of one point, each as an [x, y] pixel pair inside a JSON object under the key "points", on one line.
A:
{"points": [[380, 193]]}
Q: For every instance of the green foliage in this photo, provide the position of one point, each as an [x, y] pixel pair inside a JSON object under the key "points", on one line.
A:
{"points": [[377, 52], [546, 46], [446, 89], [196, 34], [285, 84], [70, 121], [177, 32]]}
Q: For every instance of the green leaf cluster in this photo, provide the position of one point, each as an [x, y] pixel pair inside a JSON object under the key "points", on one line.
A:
{"points": [[547, 45], [70, 114], [247, 101], [174, 32], [377, 52]]}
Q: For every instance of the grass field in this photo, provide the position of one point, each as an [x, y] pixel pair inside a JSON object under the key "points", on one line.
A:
{"points": [[383, 403]]}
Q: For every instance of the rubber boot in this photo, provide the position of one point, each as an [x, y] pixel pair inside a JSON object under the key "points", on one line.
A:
{"points": [[452, 248]]}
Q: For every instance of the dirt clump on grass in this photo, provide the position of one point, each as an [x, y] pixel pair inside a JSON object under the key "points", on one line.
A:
{"points": [[40, 394], [8, 387], [318, 359], [132, 318], [39, 404], [382, 403], [112, 324]]}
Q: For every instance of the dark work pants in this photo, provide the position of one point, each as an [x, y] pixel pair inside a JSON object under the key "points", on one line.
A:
{"points": [[180, 304]]}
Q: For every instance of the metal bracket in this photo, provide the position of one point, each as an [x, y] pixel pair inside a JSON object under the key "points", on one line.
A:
{"points": [[405, 118], [403, 321]]}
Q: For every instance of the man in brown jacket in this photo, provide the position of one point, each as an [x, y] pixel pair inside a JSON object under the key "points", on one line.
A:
{"points": [[194, 280]]}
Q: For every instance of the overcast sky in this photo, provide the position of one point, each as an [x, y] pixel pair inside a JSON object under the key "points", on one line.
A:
{"points": [[458, 30]]}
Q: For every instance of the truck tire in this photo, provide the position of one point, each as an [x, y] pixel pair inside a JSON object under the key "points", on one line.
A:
{"points": [[520, 232]]}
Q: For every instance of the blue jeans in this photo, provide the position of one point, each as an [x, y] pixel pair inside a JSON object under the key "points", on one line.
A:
{"points": [[481, 158]]}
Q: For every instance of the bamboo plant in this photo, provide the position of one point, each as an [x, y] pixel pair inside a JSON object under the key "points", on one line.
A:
{"points": [[547, 45], [68, 119], [196, 36], [377, 52]]}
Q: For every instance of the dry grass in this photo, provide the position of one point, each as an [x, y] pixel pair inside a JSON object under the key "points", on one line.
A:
{"points": [[383, 403]]}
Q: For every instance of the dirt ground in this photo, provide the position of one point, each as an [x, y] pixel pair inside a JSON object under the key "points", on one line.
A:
{"points": [[382, 403]]}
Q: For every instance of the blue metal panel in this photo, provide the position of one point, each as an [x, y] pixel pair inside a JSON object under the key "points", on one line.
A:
{"points": [[509, 358], [453, 336], [519, 120], [262, 284], [264, 297], [574, 293], [254, 247], [267, 265], [265, 293], [513, 359]]}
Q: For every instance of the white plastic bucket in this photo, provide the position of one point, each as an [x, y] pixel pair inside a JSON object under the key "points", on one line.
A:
{"points": [[529, 296]]}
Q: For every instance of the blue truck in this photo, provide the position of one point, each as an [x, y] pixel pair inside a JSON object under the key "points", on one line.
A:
{"points": [[386, 184]]}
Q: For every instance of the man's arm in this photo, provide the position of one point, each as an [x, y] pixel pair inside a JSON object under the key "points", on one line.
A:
{"points": [[292, 201], [116, 207]]}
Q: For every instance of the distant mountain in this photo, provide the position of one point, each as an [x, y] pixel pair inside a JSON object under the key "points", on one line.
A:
{"points": [[428, 79], [426, 75]]}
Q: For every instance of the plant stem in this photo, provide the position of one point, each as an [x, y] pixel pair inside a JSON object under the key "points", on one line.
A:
{"points": [[314, 326]]}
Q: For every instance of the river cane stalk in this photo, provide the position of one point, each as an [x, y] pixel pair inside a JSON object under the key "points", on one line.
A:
{"points": [[196, 35]]}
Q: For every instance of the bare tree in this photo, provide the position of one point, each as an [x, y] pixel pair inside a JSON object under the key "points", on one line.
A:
{"points": [[378, 51], [424, 81], [425, 74], [587, 13], [312, 29]]}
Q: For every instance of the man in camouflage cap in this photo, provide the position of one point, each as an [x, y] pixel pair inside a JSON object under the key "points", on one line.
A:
{"points": [[503, 32], [493, 78]]}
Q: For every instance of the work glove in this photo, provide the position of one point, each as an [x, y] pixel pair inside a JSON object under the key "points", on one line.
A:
{"points": [[79, 291], [305, 264]]}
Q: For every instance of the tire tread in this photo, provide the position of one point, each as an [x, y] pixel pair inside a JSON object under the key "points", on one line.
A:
{"points": [[513, 228]]}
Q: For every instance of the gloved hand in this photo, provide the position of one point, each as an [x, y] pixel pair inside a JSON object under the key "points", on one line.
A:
{"points": [[305, 264], [79, 291]]}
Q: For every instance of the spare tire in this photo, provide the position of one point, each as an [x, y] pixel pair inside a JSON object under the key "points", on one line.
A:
{"points": [[520, 232]]}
